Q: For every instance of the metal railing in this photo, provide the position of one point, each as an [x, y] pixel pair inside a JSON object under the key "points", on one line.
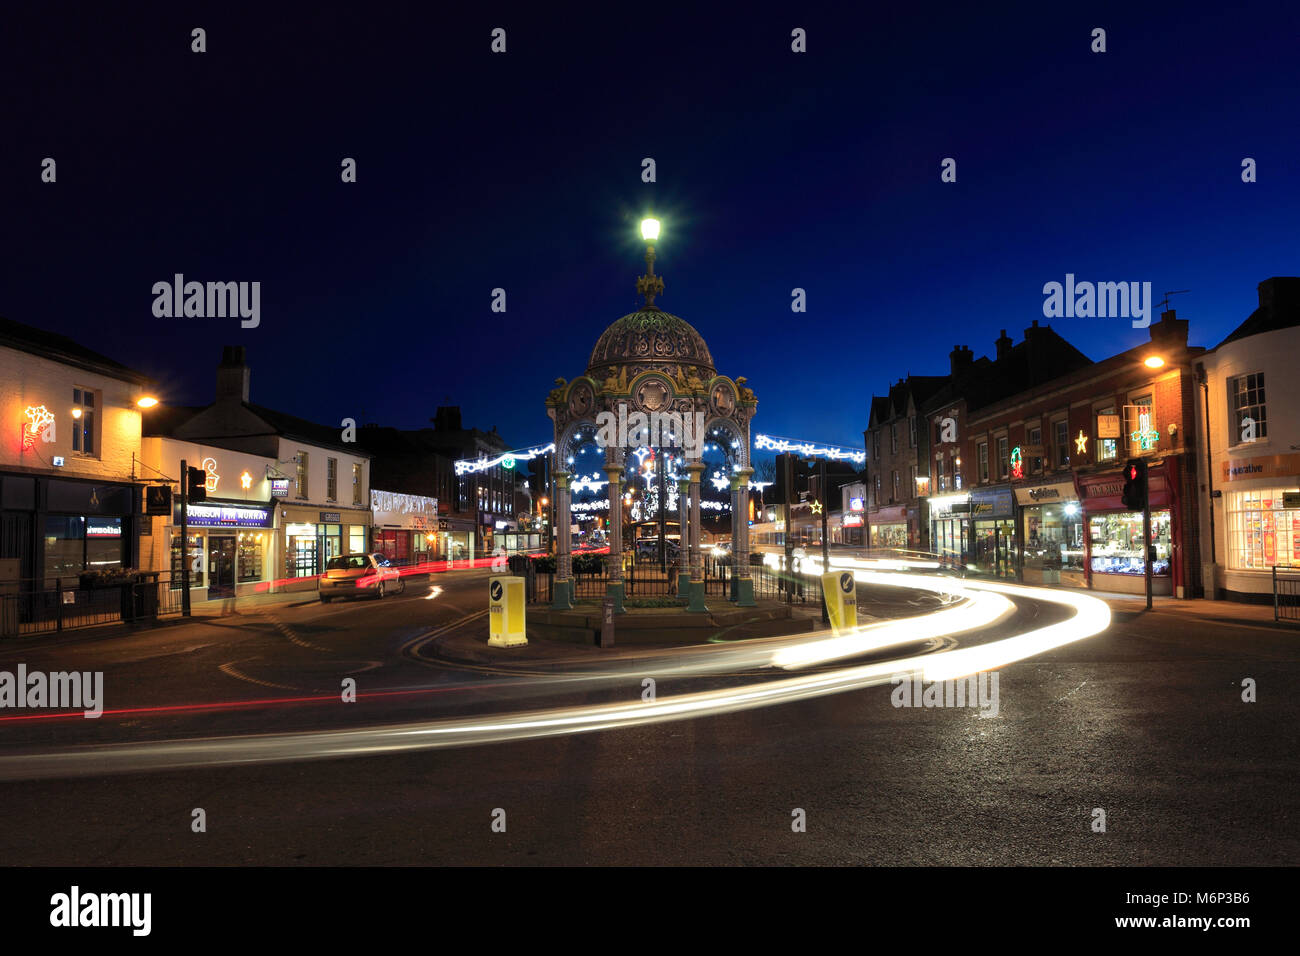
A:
{"points": [[1286, 594], [38, 606]]}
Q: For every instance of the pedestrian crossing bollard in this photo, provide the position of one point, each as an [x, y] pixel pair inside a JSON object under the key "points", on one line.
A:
{"points": [[506, 611], [840, 592]]}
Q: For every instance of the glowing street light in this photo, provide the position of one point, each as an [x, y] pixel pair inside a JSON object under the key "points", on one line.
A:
{"points": [[1154, 361], [146, 401], [650, 229]]}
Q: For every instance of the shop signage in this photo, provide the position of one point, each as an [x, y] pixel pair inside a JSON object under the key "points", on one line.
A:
{"points": [[1291, 500], [331, 517], [1061, 491], [279, 487], [443, 524], [853, 521], [1107, 426], [1264, 466], [100, 528], [219, 515], [989, 503], [158, 500], [855, 504]]}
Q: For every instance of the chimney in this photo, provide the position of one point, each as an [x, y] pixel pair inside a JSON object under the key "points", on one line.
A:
{"points": [[447, 419], [959, 360], [1170, 332], [232, 375], [1003, 345]]}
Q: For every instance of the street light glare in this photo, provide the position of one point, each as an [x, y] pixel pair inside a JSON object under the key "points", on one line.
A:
{"points": [[147, 401], [649, 229], [1155, 361]]}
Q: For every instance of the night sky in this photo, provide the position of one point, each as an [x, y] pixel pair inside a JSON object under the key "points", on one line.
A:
{"points": [[523, 171]]}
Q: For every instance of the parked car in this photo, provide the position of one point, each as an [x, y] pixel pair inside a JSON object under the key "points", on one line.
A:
{"points": [[359, 575], [647, 549]]}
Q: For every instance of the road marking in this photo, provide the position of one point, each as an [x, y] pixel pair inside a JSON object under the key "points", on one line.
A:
{"points": [[288, 632], [230, 671]]}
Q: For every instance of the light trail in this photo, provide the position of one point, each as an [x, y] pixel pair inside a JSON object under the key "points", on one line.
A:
{"points": [[1090, 617]]}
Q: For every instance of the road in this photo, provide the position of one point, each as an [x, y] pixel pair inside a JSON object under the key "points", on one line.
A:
{"points": [[1144, 722]]}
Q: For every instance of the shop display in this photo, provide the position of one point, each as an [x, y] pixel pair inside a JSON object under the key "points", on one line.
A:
{"points": [[1261, 533], [1116, 541]]}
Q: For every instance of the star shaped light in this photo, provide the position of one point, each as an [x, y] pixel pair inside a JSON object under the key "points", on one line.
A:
{"points": [[816, 507], [1081, 443], [246, 480]]}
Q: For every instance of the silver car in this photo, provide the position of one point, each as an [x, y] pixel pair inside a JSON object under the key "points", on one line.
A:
{"points": [[359, 575]]}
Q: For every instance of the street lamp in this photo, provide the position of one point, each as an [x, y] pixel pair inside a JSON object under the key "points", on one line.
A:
{"points": [[650, 229], [146, 401], [1154, 361]]}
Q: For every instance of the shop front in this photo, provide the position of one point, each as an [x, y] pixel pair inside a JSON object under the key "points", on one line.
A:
{"points": [[993, 540], [1261, 509], [889, 528], [59, 529], [950, 527], [1052, 529], [228, 547], [405, 529], [1115, 560], [312, 537]]}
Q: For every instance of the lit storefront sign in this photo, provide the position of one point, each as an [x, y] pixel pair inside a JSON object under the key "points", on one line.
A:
{"points": [[991, 503], [856, 504], [1264, 466], [214, 515], [1047, 494], [279, 487], [853, 521], [99, 528], [210, 469]]}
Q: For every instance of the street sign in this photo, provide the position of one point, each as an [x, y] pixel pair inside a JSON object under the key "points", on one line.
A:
{"points": [[840, 591], [506, 611]]}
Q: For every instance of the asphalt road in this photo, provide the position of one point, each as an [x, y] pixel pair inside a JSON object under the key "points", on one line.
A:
{"points": [[1144, 722]]}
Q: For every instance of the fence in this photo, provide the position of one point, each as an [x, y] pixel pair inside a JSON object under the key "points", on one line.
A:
{"points": [[36, 606], [1286, 595], [650, 580]]}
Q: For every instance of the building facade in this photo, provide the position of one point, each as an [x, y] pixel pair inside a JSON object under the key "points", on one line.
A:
{"points": [[1248, 412], [70, 491]]}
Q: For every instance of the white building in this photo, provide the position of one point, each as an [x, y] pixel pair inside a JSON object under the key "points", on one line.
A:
{"points": [[69, 480], [1251, 385]]}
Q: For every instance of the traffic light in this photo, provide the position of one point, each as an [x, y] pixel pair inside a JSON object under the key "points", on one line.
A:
{"points": [[1135, 485], [197, 484]]}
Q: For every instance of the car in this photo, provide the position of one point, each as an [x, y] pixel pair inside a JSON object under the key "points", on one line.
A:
{"points": [[359, 575], [647, 549]]}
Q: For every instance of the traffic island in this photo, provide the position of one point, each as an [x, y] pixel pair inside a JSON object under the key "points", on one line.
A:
{"points": [[667, 624]]}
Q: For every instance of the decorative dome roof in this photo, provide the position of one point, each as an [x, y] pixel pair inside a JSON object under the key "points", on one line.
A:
{"points": [[649, 337]]}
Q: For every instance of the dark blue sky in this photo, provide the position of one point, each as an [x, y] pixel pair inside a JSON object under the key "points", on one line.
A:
{"points": [[522, 171]]}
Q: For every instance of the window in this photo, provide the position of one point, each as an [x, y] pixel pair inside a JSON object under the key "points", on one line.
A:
{"points": [[895, 498], [1107, 448], [1261, 533], [877, 489], [983, 454], [356, 483], [911, 488], [332, 479], [301, 484], [893, 438], [1061, 453], [956, 472], [1247, 419], [1004, 457], [83, 420], [876, 439], [911, 431], [942, 479], [1035, 440], [1141, 424]]}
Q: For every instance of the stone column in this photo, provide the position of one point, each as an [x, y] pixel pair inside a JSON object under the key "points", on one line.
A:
{"points": [[562, 597], [696, 470], [614, 563], [744, 584]]}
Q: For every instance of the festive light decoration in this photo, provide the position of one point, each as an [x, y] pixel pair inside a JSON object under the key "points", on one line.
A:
{"points": [[1081, 443], [809, 449], [1017, 463], [816, 507], [41, 425], [394, 502], [472, 466], [246, 481]]}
